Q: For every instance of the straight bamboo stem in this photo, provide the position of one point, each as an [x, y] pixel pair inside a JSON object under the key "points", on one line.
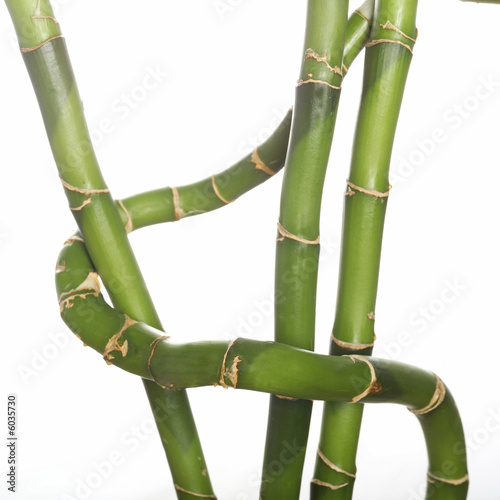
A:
{"points": [[387, 62], [297, 248]]}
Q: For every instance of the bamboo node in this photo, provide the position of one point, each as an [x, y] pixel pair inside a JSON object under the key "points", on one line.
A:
{"points": [[217, 192], [25, 50], [352, 188], [129, 226], [89, 286], [87, 201], [38, 14], [436, 400], [389, 26], [360, 14], [311, 54], [344, 69], [114, 345], [259, 164], [200, 495], [388, 40], [352, 346], [87, 192], [371, 316], [287, 234], [334, 467], [311, 80], [454, 482], [72, 239], [232, 372], [153, 345], [328, 485], [286, 398], [374, 387]]}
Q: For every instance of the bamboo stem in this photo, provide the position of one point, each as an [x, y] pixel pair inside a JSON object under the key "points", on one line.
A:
{"points": [[265, 367], [46, 58], [297, 247], [386, 69]]}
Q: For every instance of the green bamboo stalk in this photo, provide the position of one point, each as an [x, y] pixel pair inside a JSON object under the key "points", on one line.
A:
{"points": [[263, 366], [171, 204], [387, 62], [297, 248], [160, 205], [46, 58]]}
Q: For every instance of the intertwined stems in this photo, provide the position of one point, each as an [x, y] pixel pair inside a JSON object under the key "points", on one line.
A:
{"points": [[388, 57], [47, 61], [263, 366]]}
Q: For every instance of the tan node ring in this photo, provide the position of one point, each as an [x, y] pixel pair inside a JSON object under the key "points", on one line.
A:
{"points": [[352, 188], [87, 192], [25, 50], [334, 467], [389, 26], [232, 372], [199, 495], [129, 226], [436, 400], [328, 485], [217, 192], [351, 346], [454, 482], [287, 234], [311, 54], [153, 345], [259, 164], [373, 387]]}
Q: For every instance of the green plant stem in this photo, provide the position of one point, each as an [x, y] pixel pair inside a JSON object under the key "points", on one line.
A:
{"points": [[386, 69], [297, 255], [49, 67], [263, 366], [158, 206]]}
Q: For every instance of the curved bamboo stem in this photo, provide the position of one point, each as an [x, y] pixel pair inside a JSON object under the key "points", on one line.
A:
{"points": [[263, 366]]}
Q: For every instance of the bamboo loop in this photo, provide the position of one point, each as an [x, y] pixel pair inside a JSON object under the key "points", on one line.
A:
{"points": [[389, 26], [436, 400], [332, 466], [89, 286], [373, 387], [351, 346], [287, 234], [328, 485], [388, 40], [454, 482], [217, 192], [311, 54], [311, 80], [200, 495], [129, 226], [351, 188], [153, 345], [259, 164], [113, 344], [26, 50]]}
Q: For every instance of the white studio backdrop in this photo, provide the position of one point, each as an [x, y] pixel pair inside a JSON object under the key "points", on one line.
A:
{"points": [[223, 75]]}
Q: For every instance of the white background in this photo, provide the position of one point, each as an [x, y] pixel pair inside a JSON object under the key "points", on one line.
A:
{"points": [[229, 75]]}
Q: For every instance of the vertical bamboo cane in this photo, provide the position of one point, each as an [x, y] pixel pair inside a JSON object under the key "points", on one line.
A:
{"points": [[297, 248], [388, 58]]}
